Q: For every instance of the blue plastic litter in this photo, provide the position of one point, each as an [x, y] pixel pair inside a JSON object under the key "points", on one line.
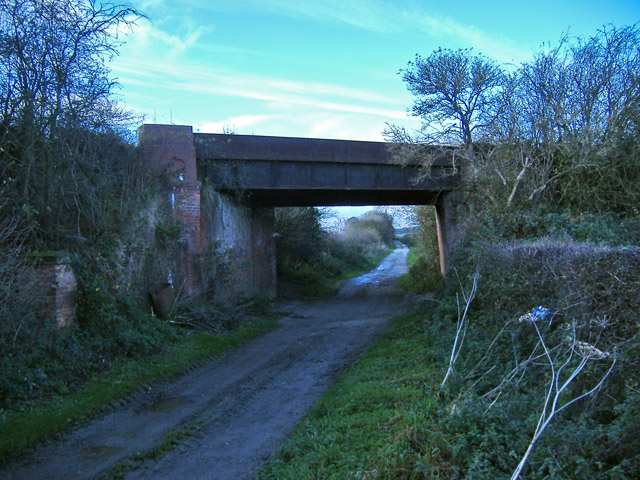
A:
{"points": [[540, 313]]}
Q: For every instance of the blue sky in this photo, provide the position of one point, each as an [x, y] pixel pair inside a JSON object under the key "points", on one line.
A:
{"points": [[321, 68]]}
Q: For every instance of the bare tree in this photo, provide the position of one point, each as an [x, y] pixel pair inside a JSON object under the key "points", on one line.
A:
{"points": [[564, 125], [56, 104], [456, 93], [567, 114]]}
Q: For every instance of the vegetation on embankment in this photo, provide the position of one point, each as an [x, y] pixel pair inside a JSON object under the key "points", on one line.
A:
{"points": [[556, 137], [52, 380], [73, 185], [390, 416], [311, 262]]}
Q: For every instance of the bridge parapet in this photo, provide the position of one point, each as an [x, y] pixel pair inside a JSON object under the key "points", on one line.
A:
{"points": [[284, 171]]}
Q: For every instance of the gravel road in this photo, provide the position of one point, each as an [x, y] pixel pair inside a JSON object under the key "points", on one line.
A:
{"points": [[244, 403]]}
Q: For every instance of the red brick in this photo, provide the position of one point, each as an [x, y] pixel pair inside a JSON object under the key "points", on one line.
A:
{"points": [[57, 291]]}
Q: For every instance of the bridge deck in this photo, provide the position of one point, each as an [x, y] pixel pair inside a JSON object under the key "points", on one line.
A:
{"points": [[283, 171]]}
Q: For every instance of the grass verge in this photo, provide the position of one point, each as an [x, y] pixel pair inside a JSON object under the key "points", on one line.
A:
{"points": [[371, 423], [22, 429], [388, 417], [423, 272]]}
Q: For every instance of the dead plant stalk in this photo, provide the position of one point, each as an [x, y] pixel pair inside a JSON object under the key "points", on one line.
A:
{"points": [[461, 326], [556, 388]]}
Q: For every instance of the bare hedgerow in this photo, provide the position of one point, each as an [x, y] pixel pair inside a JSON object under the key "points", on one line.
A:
{"points": [[17, 308], [572, 361], [585, 280]]}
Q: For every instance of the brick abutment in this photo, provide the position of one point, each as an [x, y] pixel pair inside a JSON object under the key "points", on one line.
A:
{"points": [[56, 290]]}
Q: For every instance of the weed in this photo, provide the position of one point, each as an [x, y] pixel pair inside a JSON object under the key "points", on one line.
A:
{"points": [[168, 232]]}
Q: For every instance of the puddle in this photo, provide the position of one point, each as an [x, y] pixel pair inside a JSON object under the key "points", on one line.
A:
{"points": [[166, 405], [100, 452]]}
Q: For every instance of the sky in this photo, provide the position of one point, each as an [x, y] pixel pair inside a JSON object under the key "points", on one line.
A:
{"points": [[321, 68]]}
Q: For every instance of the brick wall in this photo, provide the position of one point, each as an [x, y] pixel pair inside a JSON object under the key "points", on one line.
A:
{"points": [[57, 289], [185, 207], [170, 151], [246, 234]]}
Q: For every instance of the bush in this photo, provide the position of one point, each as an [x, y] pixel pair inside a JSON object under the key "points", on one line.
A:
{"points": [[373, 227], [609, 228], [300, 236], [40, 361], [422, 276], [592, 293]]}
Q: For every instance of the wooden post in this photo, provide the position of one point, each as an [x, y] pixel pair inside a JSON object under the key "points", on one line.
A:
{"points": [[441, 229]]}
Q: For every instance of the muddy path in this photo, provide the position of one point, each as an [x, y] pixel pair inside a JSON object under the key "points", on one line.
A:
{"points": [[244, 403]]}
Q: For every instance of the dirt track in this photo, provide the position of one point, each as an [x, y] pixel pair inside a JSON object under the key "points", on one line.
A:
{"points": [[245, 403]]}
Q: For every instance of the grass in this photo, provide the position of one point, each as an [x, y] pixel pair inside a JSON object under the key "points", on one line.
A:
{"points": [[370, 424], [168, 443], [22, 429], [422, 276]]}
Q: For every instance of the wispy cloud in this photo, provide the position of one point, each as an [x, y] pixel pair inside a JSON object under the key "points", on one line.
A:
{"points": [[385, 16], [178, 60], [193, 79], [495, 46], [313, 124], [241, 123], [279, 107], [367, 14], [147, 35], [373, 15]]}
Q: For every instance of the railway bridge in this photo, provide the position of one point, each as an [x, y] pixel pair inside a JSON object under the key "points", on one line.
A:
{"points": [[248, 175]]}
